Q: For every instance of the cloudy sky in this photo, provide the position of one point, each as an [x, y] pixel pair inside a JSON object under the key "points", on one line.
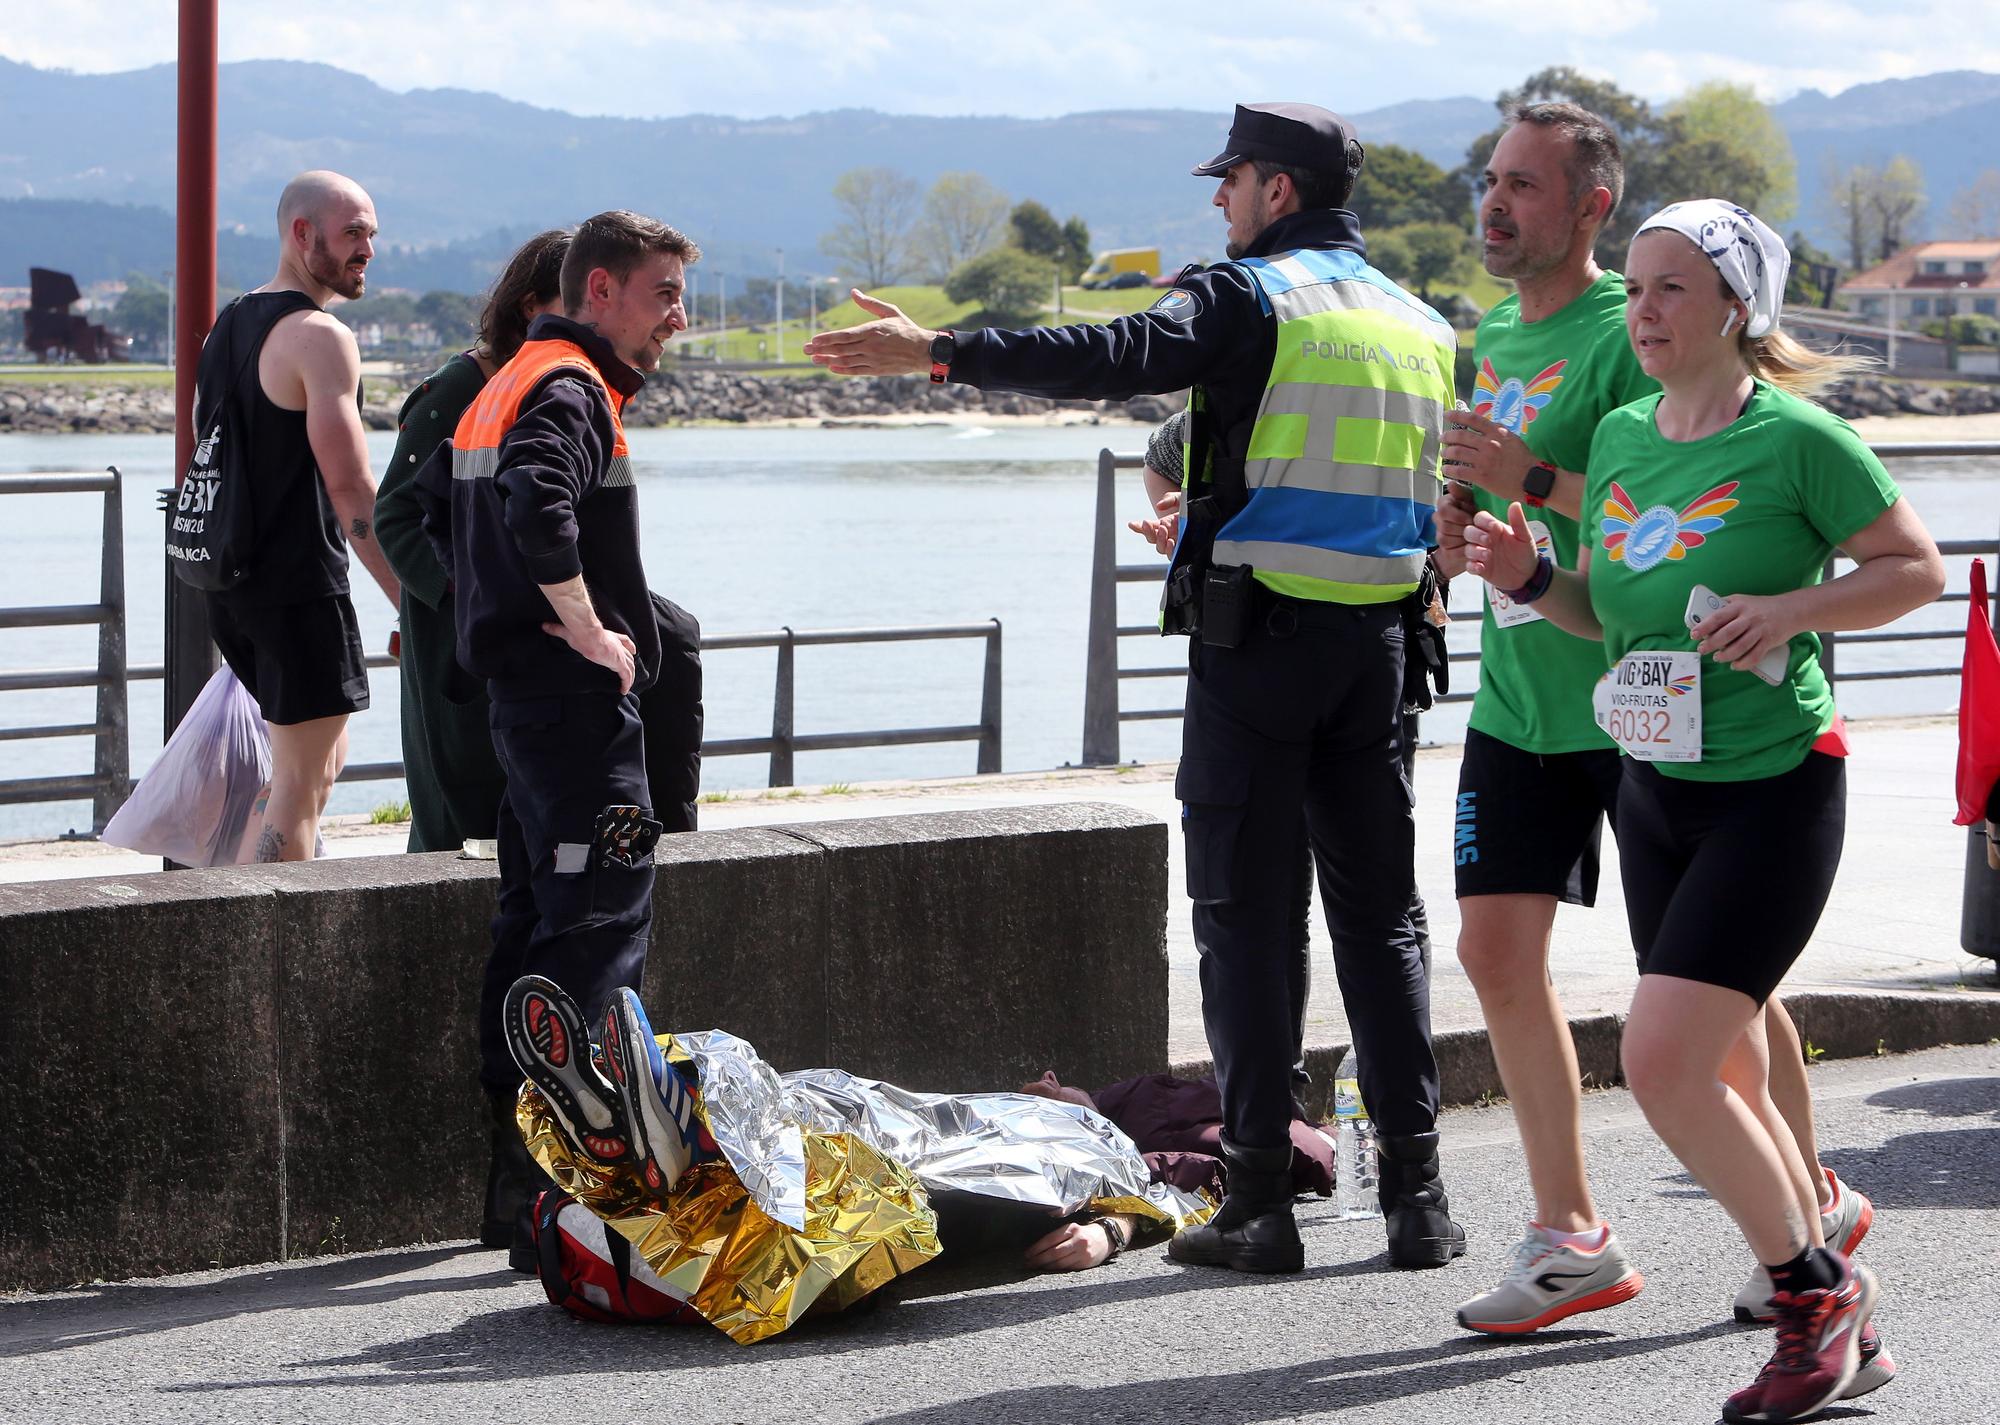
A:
{"points": [[758, 58]]}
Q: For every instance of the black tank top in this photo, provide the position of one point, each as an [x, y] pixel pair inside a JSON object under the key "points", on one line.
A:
{"points": [[300, 552]]}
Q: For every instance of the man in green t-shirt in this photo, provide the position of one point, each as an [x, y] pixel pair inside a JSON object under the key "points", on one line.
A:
{"points": [[1538, 776]]}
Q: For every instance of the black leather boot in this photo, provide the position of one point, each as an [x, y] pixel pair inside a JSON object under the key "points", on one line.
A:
{"points": [[1421, 1232], [513, 1181], [1253, 1230]]}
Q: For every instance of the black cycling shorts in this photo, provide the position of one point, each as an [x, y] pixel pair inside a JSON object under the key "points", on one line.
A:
{"points": [[1529, 823], [1725, 881], [300, 661]]}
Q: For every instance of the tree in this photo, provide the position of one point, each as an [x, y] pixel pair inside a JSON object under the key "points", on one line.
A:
{"points": [[141, 312], [1036, 231], [963, 217], [1813, 275], [454, 316], [1877, 208], [1732, 119], [1076, 252], [1398, 186], [1422, 254], [872, 241], [1895, 198], [1006, 282], [1975, 209]]}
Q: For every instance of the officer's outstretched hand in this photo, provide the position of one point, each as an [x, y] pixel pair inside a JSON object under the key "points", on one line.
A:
{"points": [[891, 345], [605, 647], [1504, 555]]}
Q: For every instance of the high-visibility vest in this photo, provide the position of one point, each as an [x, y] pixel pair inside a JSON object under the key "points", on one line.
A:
{"points": [[1342, 467], [475, 445]]}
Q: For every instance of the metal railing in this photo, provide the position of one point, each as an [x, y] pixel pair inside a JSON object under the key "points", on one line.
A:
{"points": [[1104, 712], [110, 778], [108, 785]]}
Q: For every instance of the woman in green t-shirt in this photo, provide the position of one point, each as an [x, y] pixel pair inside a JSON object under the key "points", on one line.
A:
{"points": [[1719, 501]]}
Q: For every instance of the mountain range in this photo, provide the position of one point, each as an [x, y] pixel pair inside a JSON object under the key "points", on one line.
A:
{"points": [[87, 165]]}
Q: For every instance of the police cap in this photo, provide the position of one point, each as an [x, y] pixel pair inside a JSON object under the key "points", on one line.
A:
{"points": [[1295, 135]]}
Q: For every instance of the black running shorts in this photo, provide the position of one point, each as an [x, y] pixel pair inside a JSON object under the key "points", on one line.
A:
{"points": [[300, 661], [1725, 881], [1528, 823]]}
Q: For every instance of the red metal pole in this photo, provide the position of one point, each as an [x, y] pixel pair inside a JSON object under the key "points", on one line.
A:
{"points": [[190, 656], [194, 213]]}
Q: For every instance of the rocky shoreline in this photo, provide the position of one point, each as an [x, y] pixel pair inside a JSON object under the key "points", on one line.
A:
{"points": [[684, 396], [675, 396]]}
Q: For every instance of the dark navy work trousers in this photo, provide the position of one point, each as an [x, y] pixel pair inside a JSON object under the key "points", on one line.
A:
{"points": [[1297, 733], [565, 911]]}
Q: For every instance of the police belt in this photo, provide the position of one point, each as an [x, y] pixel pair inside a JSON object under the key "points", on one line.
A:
{"points": [[1281, 613]]}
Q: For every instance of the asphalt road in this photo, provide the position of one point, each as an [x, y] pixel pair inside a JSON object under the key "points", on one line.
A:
{"points": [[447, 1334]]}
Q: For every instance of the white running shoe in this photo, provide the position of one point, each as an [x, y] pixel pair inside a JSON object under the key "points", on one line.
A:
{"points": [[1546, 1281], [1843, 1225]]}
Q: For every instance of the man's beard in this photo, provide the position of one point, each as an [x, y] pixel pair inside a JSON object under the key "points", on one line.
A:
{"points": [[1260, 219], [322, 267]]}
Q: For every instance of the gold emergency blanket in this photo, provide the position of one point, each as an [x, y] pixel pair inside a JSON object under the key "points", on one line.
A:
{"points": [[821, 1196]]}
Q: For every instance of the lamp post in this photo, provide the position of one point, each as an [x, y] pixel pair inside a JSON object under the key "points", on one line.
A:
{"points": [[781, 306], [190, 656]]}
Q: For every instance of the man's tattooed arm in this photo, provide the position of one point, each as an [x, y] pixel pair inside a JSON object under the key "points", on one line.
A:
{"points": [[359, 529]]}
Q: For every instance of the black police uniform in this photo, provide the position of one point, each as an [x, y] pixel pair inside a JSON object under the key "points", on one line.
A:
{"points": [[1294, 733]]}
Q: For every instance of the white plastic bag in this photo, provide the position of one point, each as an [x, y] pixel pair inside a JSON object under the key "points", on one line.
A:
{"points": [[194, 803]]}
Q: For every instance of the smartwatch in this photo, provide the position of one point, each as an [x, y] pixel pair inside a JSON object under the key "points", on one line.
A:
{"points": [[1536, 485], [944, 346]]}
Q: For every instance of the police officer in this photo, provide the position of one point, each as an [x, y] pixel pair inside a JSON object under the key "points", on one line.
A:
{"points": [[1317, 397], [533, 512]]}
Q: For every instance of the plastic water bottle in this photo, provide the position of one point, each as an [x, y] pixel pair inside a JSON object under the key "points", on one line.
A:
{"points": [[1354, 1169]]}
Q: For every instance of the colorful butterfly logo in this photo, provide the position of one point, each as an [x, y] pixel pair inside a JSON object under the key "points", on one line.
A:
{"points": [[1660, 533], [1508, 403], [1681, 686]]}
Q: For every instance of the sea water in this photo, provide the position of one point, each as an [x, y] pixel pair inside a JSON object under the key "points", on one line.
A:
{"points": [[761, 528]]}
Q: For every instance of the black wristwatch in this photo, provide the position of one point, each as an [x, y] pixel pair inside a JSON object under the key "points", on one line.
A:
{"points": [[1114, 1233], [1537, 484], [944, 346]]}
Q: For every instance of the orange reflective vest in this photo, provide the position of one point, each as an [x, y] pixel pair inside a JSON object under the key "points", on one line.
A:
{"points": [[475, 445]]}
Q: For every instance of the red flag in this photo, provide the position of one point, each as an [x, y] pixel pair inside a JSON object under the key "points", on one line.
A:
{"points": [[1978, 707]]}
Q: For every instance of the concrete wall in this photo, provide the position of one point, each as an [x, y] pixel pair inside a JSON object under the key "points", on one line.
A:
{"points": [[238, 1065]]}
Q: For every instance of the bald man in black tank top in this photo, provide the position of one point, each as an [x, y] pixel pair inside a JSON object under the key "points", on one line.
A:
{"points": [[288, 629]]}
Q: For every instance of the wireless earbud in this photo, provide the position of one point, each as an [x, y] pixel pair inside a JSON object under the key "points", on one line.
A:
{"points": [[1729, 322]]}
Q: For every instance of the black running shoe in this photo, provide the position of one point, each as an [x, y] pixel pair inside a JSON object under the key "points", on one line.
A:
{"points": [[546, 1034], [656, 1103]]}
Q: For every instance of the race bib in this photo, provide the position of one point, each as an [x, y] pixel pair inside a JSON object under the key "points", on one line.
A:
{"points": [[1650, 705], [1507, 613]]}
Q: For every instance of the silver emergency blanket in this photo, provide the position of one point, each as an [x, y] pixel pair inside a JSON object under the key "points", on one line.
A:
{"points": [[1009, 1146]]}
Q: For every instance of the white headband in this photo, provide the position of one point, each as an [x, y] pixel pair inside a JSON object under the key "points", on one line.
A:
{"points": [[1749, 254]]}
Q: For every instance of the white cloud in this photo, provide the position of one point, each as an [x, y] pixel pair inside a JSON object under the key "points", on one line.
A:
{"points": [[1028, 57]]}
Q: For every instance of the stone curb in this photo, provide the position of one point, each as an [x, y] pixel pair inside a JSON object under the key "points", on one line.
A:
{"points": [[1837, 1024]]}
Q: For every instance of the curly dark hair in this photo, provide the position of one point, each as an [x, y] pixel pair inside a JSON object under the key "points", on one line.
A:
{"points": [[533, 274]]}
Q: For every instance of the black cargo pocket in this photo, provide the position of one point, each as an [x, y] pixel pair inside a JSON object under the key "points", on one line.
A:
{"points": [[1214, 797]]}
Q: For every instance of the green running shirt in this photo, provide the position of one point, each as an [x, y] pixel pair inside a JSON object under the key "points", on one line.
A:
{"points": [[1756, 508], [1550, 382]]}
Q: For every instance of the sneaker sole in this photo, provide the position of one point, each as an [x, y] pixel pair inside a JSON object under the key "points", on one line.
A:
{"points": [[1873, 1376], [659, 1133], [545, 1032], [1622, 1290]]}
